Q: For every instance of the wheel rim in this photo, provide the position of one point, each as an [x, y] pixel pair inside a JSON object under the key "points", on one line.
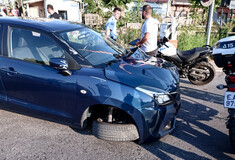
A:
{"points": [[203, 78]]}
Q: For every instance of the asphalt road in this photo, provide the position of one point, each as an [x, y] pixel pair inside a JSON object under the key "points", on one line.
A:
{"points": [[200, 134]]}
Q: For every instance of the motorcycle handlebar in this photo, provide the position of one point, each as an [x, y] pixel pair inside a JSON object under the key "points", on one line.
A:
{"points": [[208, 46]]}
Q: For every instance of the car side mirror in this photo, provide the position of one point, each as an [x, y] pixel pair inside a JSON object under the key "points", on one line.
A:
{"points": [[60, 64]]}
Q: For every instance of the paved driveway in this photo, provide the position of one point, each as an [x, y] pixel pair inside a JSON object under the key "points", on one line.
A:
{"points": [[200, 134]]}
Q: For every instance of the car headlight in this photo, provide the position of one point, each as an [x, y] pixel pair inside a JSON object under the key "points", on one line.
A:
{"points": [[160, 96], [216, 45]]}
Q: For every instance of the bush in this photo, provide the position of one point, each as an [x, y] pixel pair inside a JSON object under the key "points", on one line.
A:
{"points": [[188, 41], [127, 35]]}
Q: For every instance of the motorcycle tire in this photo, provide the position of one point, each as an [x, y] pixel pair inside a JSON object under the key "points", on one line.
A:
{"points": [[232, 133], [208, 78]]}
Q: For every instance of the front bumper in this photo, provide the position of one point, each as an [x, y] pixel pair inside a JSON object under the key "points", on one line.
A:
{"points": [[160, 121]]}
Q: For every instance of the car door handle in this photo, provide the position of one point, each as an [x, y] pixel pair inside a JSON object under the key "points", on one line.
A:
{"points": [[10, 71]]}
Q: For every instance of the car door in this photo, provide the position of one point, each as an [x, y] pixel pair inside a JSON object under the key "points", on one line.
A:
{"points": [[3, 97], [31, 84]]}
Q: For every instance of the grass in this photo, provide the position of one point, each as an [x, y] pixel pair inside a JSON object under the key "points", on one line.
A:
{"points": [[125, 36], [188, 41]]}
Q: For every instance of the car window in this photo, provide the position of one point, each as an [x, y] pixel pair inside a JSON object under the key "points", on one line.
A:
{"points": [[33, 46], [93, 46]]}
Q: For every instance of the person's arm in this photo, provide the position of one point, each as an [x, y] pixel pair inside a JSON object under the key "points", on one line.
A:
{"points": [[109, 28], [107, 32], [144, 39]]}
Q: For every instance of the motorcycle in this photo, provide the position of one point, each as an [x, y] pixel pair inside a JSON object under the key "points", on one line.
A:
{"points": [[224, 57], [192, 64]]}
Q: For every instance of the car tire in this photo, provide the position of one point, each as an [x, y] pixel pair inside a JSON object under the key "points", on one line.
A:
{"points": [[114, 132]]}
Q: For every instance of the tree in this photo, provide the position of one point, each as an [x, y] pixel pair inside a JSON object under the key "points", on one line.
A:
{"points": [[94, 6], [196, 5], [116, 3], [134, 15], [97, 6]]}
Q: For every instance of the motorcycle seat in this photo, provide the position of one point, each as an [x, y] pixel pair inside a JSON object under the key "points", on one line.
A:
{"points": [[191, 54]]}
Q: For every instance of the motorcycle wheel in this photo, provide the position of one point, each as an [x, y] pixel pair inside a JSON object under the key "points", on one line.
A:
{"points": [[207, 78], [232, 133]]}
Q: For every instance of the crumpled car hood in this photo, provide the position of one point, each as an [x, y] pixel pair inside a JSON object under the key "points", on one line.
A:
{"points": [[153, 73]]}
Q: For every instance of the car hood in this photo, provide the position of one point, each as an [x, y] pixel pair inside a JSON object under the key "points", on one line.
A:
{"points": [[224, 46], [231, 38], [155, 73]]}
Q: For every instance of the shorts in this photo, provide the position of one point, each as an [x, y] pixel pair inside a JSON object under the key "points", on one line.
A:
{"points": [[152, 53]]}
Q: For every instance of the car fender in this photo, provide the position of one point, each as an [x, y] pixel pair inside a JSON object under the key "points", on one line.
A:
{"points": [[134, 106]]}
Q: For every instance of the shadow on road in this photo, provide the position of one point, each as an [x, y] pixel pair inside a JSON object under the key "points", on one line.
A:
{"points": [[202, 95], [192, 128], [185, 81]]}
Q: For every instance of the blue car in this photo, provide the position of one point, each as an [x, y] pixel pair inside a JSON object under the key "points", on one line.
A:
{"points": [[68, 73]]}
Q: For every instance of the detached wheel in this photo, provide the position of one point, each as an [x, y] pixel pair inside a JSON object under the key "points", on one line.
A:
{"points": [[201, 73], [232, 133], [114, 132]]}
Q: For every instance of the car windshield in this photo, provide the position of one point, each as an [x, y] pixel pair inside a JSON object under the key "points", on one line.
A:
{"points": [[95, 47]]}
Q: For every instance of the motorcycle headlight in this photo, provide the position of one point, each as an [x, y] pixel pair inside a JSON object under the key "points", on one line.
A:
{"points": [[160, 96]]}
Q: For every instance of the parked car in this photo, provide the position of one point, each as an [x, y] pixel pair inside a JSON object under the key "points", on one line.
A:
{"points": [[68, 73]]}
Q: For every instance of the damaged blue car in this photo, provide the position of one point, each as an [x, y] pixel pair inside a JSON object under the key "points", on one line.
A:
{"points": [[68, 73]]}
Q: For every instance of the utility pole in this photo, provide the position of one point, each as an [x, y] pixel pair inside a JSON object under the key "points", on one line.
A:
{"points": [[210, 21], [20, 3], [13, 4], [169, 1], [231, 19], [221, 20]]}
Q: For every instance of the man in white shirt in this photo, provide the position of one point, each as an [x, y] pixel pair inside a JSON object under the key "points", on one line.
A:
{"points": [[149, 32], [111, 28]]}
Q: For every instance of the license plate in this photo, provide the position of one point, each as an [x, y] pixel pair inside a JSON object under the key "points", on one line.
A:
{"points": [[229, 100]]}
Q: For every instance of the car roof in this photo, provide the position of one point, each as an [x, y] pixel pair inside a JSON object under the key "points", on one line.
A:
{"points": [[45, 24]]}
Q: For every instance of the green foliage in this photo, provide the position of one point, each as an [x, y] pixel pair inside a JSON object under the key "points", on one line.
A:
{"points": [[127, 35], [223, 31], [233, 25], [134, 15], [131, 16], [115, 3], [200, 18], [121, 23], [189, 40], [228, 27], [107, 15], [94, 6], [157, 16], [191, 37]]}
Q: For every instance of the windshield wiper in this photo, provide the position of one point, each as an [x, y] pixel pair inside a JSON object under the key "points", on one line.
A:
{"points": [[112, 61], [118, 56]]}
